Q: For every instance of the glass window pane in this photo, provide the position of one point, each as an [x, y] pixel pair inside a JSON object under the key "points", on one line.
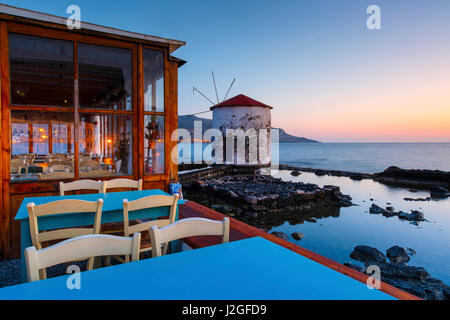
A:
{"points": [[105, 77], [154, 144], [153, 80], [41, 71], [105, 145], [42, 145]]}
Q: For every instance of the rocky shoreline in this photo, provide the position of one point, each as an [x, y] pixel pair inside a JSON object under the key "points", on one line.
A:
{"points": [[435, 181], [414, 217], [396, 272], [266, 202], [254, 195]]}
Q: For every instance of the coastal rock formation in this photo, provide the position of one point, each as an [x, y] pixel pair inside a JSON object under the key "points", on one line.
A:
{"points": [[262, 194], [323, 172], [396, 272], [366, 253], [297, 236], [439, 193], [397, 254], [415, 216], [295, 173], [422, 179]]}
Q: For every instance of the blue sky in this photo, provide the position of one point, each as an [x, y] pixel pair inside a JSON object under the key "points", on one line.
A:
{"points": [[327, 76]]}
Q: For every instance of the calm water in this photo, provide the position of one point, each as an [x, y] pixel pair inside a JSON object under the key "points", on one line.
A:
{"points": [[335, 237], [357, 157], [366, 157]]}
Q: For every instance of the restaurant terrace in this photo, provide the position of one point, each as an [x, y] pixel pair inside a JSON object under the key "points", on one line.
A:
{"points": [[86, 172]]}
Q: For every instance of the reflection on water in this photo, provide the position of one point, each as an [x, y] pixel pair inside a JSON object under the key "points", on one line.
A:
{"points": [[335, 235]]}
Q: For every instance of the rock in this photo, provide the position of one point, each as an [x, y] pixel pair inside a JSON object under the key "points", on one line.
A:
{"points": [[411, 252], [296, 173], [356, 176], [439, 193], [312, 220], [389, 214], [256, 207], [417, 199], [413, 216], [297, 236], [251, 200], [374, 209], [415, 280], [413, 190], [397, 254], [281, 235], [320, 172], [367, 254], [251, 214], [390, 208], [403, 271], [345, 201], [232, 194]]}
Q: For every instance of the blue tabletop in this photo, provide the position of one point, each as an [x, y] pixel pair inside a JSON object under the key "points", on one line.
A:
{"points": [[243, 270], [112, 201]]}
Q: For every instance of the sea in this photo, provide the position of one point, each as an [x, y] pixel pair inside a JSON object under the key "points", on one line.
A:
{"points": [[365, 157], [336, 235]]}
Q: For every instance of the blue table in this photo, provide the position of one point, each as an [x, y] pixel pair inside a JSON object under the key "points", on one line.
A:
{"points": [[112, 212], [243, 270]]}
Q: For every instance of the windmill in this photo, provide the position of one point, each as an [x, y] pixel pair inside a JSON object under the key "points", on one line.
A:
{"points": [[194, 89]]}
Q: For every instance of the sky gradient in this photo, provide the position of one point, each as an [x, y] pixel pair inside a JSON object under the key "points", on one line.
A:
{"points": [[327, 76]]}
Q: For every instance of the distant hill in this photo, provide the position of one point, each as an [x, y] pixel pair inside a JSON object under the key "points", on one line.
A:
{"points": [[187, 122], [286, 137]]}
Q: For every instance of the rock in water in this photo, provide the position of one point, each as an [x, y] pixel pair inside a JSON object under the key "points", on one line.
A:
{"points": [[281, 235], [296, 173], [298, 236], [415, 280], [398, 254], [413, 216], [367, 254], [439, 193], [376, 209]]}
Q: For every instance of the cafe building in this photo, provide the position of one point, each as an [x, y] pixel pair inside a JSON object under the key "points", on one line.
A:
{"points": [[91, 103]]}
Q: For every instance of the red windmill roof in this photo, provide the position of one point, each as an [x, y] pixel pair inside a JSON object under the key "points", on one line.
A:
{"points": [[241, 101]]}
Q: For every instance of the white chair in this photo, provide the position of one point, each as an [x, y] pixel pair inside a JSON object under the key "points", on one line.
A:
{"points": [[190, 227], [81, 185], [80, 248], [123, 183], [118, 165], [61, 207]]}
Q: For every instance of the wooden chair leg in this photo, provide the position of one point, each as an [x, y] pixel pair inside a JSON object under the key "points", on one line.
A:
{"points": [[43, 274], [90, 264]]}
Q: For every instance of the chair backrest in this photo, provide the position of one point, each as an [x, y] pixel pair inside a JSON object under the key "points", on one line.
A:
{"points": [[80, 248], [123, 183], [81, 185], [146, 203], [61, 207], [190, 227]]}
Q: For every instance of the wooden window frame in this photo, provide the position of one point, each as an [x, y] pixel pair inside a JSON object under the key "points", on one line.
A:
{"points": [[167, 153], [75, 38]]}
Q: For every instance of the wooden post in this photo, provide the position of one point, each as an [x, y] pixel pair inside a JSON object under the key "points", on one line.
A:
{"points": [[5, 212], [69, 138], [50, 138]]}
